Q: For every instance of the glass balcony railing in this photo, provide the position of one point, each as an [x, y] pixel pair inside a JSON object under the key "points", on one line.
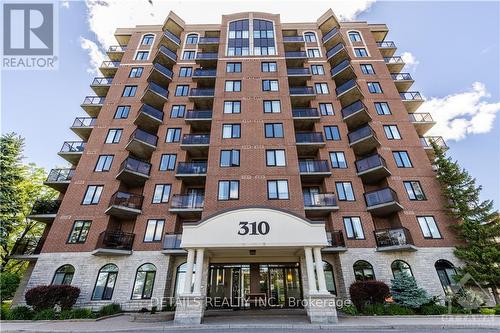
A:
{"points": [[320, 200], [186, 201], [73, 147], [309, 137], [144, 136], [340, 67], [370, 162], [110, 64], [168, 52], [335, 239], [84, 122], [295, 54], [153, 112], [135, 165], [302, 91], [393, 237], [172, 241], [313, 166], [298, 71], [60, 175], [330, 34], [401, 77], [173, 37], [102, 81], [93, 100], [127, 200], [157, 89], [386, 45], [420, 117], [208, 40], [394, 60], [334, 50], [115, 240], [428, 140], [207, 56], [204, 72], [411, 96], [164, 70], [345, 87], [202, 92], [45, 207], [352, 108], [117, 48], [360, 133], [380, 197], [192, 168], [199, 114], [305, 112], [196, 139], [293, 39]]}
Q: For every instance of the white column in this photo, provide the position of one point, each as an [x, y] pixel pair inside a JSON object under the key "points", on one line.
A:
{"points": [[311, 280], [199, 272], [189, 272], [319, 270]]}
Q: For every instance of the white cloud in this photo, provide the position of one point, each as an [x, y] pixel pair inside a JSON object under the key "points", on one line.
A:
{"points": [[462, 114], [95, 54], [410, 60], [65, 4]]}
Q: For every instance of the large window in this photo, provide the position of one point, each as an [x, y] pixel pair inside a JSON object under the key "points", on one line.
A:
{"points": [[428, 226], [363, 271], [353, 227], [238, 41], [114, 135], [313, 53], [232, 106], [275, 157], [382, 108], [446, 272], [232, 85], [63, 275], [270, 85], [345, 191], [186, 72], [92, 195], [161, 193], [317, 70], [177, 111], [142, 55], [263, 38], [400, 267], [310, 37], [167, 162], [321, 88], [231, 131], [273, 130], [392, 132], [269, 66], [136, 72], [79, 232], [402, 159], [173, 135], [354, 36], [277, 190], [329, 278], [188, 55], [129, 91], [148, 39], [122, 112], [367, 69], [192, 39], [103, 163], [154, 230], [233, 67], [374, 87], [230, 158], [332, 133], [180, 277], [181, 90], [272, 106], [414, 190], [144, 281], [229, 190], [337, 158], [360, 52], [105, 283], [326, 109]]}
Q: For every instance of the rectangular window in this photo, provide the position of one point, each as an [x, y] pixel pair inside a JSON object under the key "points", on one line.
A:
{"points": [[272, 106], [414, 190], [103, 163], [232, 106], [313, 53], [177, 111], [229, 190], [233, 67], [231, 131], [173, 135], [392, 132], [317, 70], [345, 191], [337, 158], [188, 55], [92, 195], [270, 85], [129, 91], [167, 162], [154, 231], [114, 135], [181, 90], [428, 226], [353, 228], [326, 109], [332, 133], [402, 159], [273, 130], [321, 88], [275, 157], [360, 52], [122, 112], [374, 87], [232, 85], [269, 67], [230, 158], [277, 190], [367, 69], [142, 55], [161, 193], [186, 72], [382, 108], [135, 72], [79, 232]]}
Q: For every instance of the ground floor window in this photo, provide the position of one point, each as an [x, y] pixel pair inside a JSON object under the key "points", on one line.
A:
{"points": [[64, 275], [105, 283], [180, 277], [446, 271], [329, 277], [363, 271], [144, 281], [400, 267]]}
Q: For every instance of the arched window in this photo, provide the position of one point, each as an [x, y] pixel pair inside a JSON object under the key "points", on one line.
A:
{"points": [[148, 39], [445, 271], [310, 37], [238, 43], [329, 277], [192, 39], [180, 277], [355, 36], [64, 275], [105, 283], [400, 267], [363, 271], [144, 281]]}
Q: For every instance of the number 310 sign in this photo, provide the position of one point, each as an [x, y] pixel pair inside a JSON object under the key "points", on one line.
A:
{"points": [[253, 228]]}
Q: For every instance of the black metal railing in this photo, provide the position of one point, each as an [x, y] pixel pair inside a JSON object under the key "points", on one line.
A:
{"points": [[157, 89], [295, 54], [345, 87], [45, 207], [420, 117], [115, 240], [302, 91], [318, 200], [93, 100], [360, 133], [168, 52], [186, 201], [144, 136], [305, 112], [192, 168], [334, 50], [298, 71], [28, 246], [208, 40], [312, 166], [199, 114], [380, 197], [428, 140], [207, 55], [335, 239], [202, 92], [151, 111], [126, 199], [352, 108], [386, 45], [164, 70], [293, 39], [401, 77], [102, 81], [393, 237], [172, 241], [73, 147], [370, 162], [84, 122], [172, 37], [204, 72], [135, 165], [60, 175], [309, 137], [410, 96], [196, 139], [330, 34]]}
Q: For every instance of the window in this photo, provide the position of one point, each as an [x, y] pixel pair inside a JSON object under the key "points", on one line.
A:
{"points": [[173, 135], [180, 278], [360, 52], [161, 193], [353, 228], [332, 133], [428, 226], [238, 38], [188, 55], [129, 91], [313, 53], [144, 281], [272, 106], [122, 112], [326, 109], [310, 37], [231, 131], [402, 159], [329, 278], [345, 191], [263, 37], [92, 195], [317, 70], [354, 36], [446, 272], [269, 67], [337, 158], [232, 85], [79, 232], [147, 39], [167, 162], [414, 190], [275, 157], [400, 267], [186, 72], [135, 72], [321, 88], [363, 271], [229, 190], [392, 132], [142, 55], [114, 135], [233, 67], [63, 275], [105, 283], [230, 158], [232, 106], [192, 39], [277, 190], [374, 87], [273, 130], [181, 90], [382, 108], [367, 69], [177, 111], [154, 230], [270, 85], [103, 163]]}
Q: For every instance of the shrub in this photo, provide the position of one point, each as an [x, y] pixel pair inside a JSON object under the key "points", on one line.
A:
{"points": [[8, 285], [154, 309], [110, 309], [46, 297], [497, 309], [373, 309], [21, 313], [368, 292], [487, 311], [4, 313], [348, 309], [76, 314], [405, 292], [433, 309], [143, 310], [47, 314], [398, 310]]}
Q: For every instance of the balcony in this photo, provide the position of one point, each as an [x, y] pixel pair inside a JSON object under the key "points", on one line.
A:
{"points": [[165, 57], [192, 172], [379, 31], [123, 37], [209, 44], [109, 68], [336, 242], [172, 244], [92, 105], [427, 144], [27, 249], [309, 142], [387, 49], [332, 37], [372, 169], [302, 95], [320, 204], [149, 118], [348, 93], [72, 151], [337, 54], [397, 239], [382, 202], [160, 75], [403, 81], [205, 76], [422, 122], [170, 40], [187, 206], [355, 115], [207, 59], [134, 172], [394, 64], [363, 140], [412, 100], [298, 76], [305, 117], [343, 72], [155, 95], [295, 58], [114, 242], [125, 205], [59, 179], [293, 41], [82, 126], [142, 144], [116, 52], [100, 85], [196, 144], [44, 211], [314, 170], [200, 120], [202, 97]]}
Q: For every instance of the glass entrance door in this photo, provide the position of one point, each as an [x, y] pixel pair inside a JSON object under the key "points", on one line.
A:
{"points": [[277, 294]]}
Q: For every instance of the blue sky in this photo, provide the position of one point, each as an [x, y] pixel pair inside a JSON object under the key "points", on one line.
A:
{"points": [[454, 44]]}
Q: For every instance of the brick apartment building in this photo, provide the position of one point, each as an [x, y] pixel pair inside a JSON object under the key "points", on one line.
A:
{"points": [[251, 159]]}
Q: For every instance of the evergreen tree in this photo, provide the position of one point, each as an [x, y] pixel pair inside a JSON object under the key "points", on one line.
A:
{"points": [[405, 292]]}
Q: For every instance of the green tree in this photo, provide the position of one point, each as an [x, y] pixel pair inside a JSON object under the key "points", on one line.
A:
{"points": [[479, 223], [405, 292]]}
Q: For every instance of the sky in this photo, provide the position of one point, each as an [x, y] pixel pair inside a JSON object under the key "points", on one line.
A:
{"points": [[451, 49]]}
